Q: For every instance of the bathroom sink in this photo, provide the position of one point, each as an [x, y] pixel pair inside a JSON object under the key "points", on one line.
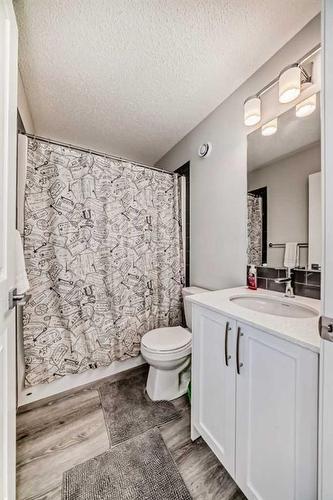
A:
{"points": [[274, 306]]}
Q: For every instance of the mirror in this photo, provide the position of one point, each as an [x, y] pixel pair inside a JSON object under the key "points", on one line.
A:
{"points": [[284, 195]]}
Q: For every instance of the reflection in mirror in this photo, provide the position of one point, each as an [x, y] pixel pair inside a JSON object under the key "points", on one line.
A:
{"points": [[284, 200]]}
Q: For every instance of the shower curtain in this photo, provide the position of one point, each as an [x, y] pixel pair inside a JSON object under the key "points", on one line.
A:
{"points": [[104, 259], [254, 230]]}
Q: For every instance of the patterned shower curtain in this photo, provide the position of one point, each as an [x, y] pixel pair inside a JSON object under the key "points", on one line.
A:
{"points": [[254, 230], [104, 259]]}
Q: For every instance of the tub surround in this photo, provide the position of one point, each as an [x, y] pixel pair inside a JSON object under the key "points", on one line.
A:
{"points": [[301, 331]]}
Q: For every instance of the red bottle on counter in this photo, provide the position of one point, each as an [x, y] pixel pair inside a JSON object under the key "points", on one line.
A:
{"points": [[252, 278]]}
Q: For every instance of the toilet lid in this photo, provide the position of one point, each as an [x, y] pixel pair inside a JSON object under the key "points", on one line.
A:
{"points": [[167, 339]]}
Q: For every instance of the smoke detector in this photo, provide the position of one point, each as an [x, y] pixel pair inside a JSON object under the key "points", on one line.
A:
{"points": [[204, 150]]}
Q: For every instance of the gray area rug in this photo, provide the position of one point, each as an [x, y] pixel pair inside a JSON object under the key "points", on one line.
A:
{"points": [[128, 411], [138, 469]]}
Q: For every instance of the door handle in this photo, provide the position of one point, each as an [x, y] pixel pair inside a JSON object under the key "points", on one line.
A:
{"points": [[326, 328], [226, 334], [238, 364], [17, 299]]}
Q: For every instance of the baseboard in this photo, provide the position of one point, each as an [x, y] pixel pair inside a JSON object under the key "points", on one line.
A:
{"points": [[71, 382]]}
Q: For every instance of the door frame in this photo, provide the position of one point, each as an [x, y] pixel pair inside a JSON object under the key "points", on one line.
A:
{"points": [[326, 353], [9, 70]]}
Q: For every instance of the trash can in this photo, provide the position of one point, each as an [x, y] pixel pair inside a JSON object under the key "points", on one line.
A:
{"points": [[189, 391]]}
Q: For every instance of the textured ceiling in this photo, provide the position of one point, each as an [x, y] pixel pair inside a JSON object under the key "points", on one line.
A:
{"points": [[132, 77]]}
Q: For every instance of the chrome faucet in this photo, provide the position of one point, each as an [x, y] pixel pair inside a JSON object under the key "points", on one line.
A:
{"points": [[289, 292]]}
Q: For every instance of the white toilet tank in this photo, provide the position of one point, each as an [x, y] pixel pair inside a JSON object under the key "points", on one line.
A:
{"points": [[191, 290]]}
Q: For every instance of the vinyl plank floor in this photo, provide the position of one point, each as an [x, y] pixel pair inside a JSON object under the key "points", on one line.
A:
{"points": [[55, 414], [54, 438], [203, 474], [71, 429]]}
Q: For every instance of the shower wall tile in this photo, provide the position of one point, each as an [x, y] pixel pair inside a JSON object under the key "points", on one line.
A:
{"points": [[267, 272], [276, 287], [312, 292], [300, 276], [313, 278]]}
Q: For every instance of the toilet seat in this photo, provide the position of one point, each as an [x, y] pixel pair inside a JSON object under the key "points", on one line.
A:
{"points": [[167, 340]]}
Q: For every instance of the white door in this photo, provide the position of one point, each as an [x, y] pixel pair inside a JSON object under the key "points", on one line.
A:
{"points": [[8, 107], [326, 358], [276, 418], [213, 382]]}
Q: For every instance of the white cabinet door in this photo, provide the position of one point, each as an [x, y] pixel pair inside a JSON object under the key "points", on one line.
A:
{"points": [[213, 383], [276, 439]]}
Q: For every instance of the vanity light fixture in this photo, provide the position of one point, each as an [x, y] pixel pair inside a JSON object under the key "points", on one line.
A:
{"points": [[306, 107], [269, 128], [290, 82], [252, 111]]}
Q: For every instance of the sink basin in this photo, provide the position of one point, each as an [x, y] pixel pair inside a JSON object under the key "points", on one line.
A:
{"points": [[274, 306]]}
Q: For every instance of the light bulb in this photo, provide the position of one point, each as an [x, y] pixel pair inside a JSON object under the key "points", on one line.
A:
{"points": [[306, 107], [269, 128], [289, 84], [252, 111]]}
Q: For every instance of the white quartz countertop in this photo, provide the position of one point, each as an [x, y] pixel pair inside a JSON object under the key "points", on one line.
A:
{"points": [[302, 331]]}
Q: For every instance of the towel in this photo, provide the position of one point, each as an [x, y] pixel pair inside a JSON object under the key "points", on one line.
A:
{"points": [[291, 255], [22, 283]]}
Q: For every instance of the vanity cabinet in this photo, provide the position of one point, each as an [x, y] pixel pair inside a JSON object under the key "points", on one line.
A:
{"points": [[258, 412]]}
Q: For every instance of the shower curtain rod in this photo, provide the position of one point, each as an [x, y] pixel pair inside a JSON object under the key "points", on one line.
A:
{"points": [[97, 153]]}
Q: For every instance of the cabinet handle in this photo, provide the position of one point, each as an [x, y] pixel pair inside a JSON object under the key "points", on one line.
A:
{"points": [[226, 357], [238, 364]]}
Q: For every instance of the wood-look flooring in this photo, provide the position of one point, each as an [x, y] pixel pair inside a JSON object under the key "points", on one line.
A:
{"points": [[69, 430]]}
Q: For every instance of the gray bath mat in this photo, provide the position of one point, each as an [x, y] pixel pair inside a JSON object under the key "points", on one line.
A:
{"points": [[139, 469], [128, 411]]}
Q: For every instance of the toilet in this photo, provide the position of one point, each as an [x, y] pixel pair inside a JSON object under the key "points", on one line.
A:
{"points": [[168, 352]]}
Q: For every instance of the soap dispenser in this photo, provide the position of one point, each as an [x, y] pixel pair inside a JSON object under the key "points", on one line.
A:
{"points": [[252, 278]]}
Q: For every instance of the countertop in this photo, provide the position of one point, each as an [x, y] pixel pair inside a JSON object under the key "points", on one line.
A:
{"points": [[301, 331]]}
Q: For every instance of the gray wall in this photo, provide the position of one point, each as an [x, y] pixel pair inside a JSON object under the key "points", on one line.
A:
{"points": [[287, 199], [219, 182]]}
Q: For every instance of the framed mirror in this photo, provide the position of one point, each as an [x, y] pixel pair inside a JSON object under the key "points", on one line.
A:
{"points": [[284, 195]]}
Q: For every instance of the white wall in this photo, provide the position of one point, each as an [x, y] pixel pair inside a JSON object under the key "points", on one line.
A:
{"points": [[315, 220], [219, 182], [23, 107], [287, 200]]}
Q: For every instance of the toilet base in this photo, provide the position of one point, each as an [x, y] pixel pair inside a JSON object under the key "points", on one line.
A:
{"points": [[165, 385]]}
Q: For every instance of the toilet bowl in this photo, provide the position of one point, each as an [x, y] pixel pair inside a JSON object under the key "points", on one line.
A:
{"points": [[168, 352]]}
